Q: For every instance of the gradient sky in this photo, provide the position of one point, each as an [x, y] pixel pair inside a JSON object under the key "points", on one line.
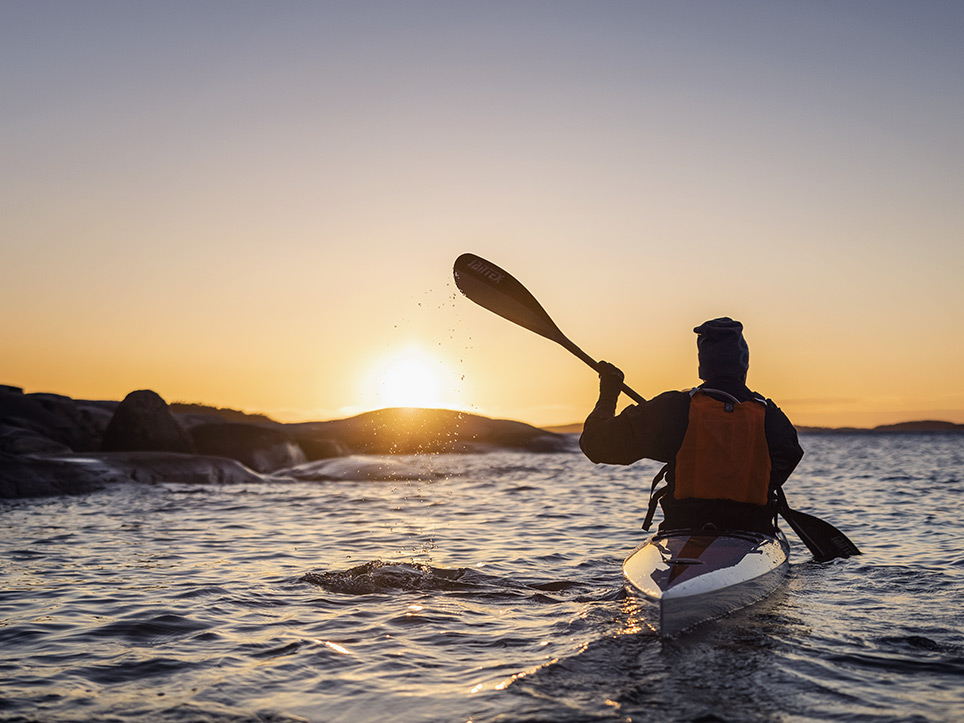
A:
{"points": [[257, 205]]}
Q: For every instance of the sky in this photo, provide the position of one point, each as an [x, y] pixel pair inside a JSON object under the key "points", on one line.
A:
{"points": [[257, 205]]}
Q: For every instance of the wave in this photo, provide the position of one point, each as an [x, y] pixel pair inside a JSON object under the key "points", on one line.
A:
{"points": [[159, 628], [361, 468], [380, 577], [421, 467]]}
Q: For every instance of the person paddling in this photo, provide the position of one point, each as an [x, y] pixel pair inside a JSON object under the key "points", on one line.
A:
{"points": [[727, 450]]}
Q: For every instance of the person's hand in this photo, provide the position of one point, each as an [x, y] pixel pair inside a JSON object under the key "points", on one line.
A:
{"points": [[610, 380]]}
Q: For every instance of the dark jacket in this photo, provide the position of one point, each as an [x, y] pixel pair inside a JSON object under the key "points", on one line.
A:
{"points": [[655, 430]]}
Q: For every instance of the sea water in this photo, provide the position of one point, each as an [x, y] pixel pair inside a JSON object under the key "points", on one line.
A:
{"points": [[482, 587]]}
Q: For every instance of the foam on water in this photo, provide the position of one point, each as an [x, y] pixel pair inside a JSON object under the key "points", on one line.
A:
{"points": [[476, 587]]}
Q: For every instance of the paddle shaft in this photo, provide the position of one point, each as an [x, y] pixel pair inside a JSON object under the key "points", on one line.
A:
{"points": [[495, 289], [579, 353]]}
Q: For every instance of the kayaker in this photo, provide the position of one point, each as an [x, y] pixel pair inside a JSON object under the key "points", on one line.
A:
{"points": [[727, 449]]}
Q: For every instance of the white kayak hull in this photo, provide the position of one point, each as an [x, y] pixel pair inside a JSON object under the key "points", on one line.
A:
{"points": [[692, 576]]}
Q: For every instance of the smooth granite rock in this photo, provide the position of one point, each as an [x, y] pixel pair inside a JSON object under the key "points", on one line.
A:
{"points": [[263, 449], [143, 422]]}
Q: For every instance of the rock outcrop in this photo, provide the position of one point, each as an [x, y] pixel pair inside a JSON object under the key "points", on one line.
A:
{"points": [[143, 422], [413, 431], [263, 449], [156, 467], [54, 445], [43, 423], [79, 474], [46, 477]]}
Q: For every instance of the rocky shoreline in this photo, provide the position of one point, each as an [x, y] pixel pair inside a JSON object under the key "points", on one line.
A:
{"points": [[52, 444]]}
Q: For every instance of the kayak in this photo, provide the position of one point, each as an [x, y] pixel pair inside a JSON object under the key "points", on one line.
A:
{"points": [[693, 575]]}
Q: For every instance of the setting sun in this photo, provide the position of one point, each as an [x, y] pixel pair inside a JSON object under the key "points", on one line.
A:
{"points": [[411, 378]]}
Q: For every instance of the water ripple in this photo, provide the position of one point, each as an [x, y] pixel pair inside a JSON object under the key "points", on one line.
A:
{"points": [[473, 587]]}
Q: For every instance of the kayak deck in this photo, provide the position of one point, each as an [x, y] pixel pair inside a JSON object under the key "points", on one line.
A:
{"points": [[693, 575]]}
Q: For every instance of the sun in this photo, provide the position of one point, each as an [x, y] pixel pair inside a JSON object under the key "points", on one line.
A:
{"points": [[411, 378], [409, 382]]}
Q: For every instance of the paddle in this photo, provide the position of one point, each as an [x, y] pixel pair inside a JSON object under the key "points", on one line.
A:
{"points": [[824, 541], [498, 291], [495, 289]]}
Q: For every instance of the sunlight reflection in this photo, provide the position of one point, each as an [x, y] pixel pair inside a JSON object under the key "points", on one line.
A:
{"points": [[518, 676], [506, 682], [635, 617], [340, 649]]}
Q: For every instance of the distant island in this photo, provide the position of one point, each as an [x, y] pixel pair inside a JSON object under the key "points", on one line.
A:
{"points": [[927, 425], [923, 426]]}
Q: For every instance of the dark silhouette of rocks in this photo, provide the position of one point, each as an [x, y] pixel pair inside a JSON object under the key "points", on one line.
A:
{"points": [[17, 440], [156, 467], [197, 413], [263, 449], [318, 446], [919, 427], [32, 476], [143, 422], [46, 477], [44, 423], [98, 415], [53, 445], [929, 425], [49, 443]]}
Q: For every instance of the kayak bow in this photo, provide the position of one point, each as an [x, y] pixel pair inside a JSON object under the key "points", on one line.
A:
{"points": [[693, 575]]}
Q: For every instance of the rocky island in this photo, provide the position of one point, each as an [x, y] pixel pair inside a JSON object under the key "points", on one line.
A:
{"points": [[52, 444]]}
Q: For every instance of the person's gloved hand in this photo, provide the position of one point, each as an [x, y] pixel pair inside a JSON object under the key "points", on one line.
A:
{"points": [[610, 380]]}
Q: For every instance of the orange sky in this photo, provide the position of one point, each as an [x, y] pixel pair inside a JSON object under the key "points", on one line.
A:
{"points": [[258, 206]]}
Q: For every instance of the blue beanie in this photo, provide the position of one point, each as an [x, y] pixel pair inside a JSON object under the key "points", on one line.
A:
{"points": [[723, 352]]}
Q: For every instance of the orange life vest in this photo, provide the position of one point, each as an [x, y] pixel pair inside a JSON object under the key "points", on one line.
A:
{"points": [[724, 454]]}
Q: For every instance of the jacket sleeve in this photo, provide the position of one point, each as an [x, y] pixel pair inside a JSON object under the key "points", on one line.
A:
{"points": [[785, 449], [651, 430]]}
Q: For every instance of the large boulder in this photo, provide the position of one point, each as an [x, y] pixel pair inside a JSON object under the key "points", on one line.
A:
{"points": [[41, 477], [318, 446], [78, 474], [18, 440], [43, 422], [158, 467], [97, 414], [143, 422], [263, 449]]}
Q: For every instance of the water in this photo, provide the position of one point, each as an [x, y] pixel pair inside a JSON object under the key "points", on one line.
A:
{"points": [[474, 588]]}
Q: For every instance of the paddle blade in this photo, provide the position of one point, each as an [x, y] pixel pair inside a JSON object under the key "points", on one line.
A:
{"points": [[495, 289], [823, 540]]}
